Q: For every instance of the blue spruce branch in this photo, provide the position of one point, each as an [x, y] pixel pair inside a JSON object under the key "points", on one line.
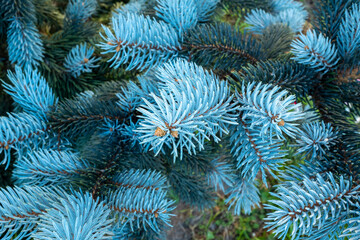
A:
{"points": [[141, 207], [151, 42], [316, 51], [193, 106], [76, 216], [146, 179], [30, 91], [80, 60], [46, 166], [205, 8], [181, 14], [78, 11], [21, 208], [312, 204], [348, 38], [25, 46], [243, 195], [18, 131], [353, 229], [254, 154], [315, 139], [271, 108]]}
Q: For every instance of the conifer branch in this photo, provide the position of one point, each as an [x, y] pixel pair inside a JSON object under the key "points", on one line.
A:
{"points": [[319, 198], [146, 51], [220, 46], [18, 131]]}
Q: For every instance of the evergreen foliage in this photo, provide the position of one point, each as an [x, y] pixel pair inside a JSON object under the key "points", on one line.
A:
{"points": [[78, 11], [329, 14], [315, 139], [315, 50], [80, 60], [24, 43], [220, 46], [151, 43], [276, 39], [348, 36], [245, 6], [122, 111], [30, 91], [289, 13], [286, 73], [181, 14]]}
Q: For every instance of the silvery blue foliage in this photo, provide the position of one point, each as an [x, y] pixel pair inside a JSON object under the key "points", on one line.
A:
{"points": [[148, 179], [18, 131], [331, 230], [47, 166], [259, 20], [122, 233], [328, 16], [80, 60], [282, 5], [202, 82], [20, 209], [130, 201], [273, 110], [315, 139], [192, 106], [24, 44], [315, 50], [78, 11], [151, 42], [353, 229], [30, 91], [254, 154], [132, 204], [134, 94], [290, 13], [292, 18], [181, 14], [221, 174], [205, 8], [76, 217], [184, 15], [297, 174], [134, 6], [244, 195], [348, 40], [309, 205], [137, 6]]}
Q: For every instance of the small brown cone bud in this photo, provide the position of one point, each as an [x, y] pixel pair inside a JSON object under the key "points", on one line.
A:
{"points": [[118, 48], [159, 132], [7, 147], [156, 215], [86, 60], [175, 134], [306, 48], [281, 123]]}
